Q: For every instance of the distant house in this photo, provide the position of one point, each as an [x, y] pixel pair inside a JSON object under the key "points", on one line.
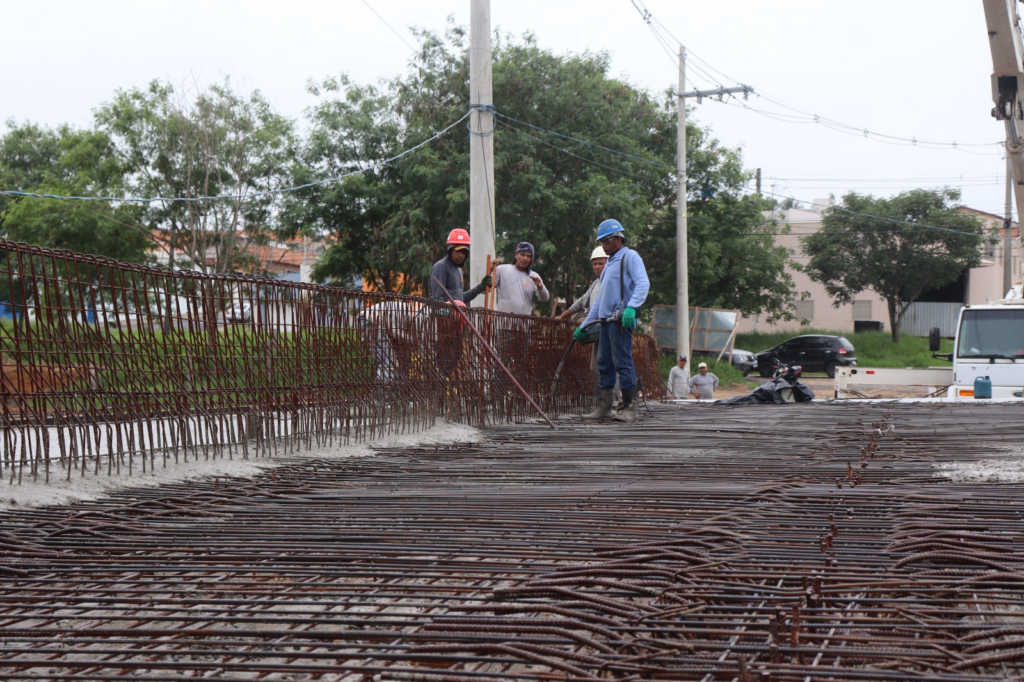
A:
{"points": [[935, 309], [290, 260]]}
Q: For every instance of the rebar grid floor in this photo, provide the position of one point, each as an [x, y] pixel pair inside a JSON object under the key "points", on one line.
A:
{"points": [[798, 542]]}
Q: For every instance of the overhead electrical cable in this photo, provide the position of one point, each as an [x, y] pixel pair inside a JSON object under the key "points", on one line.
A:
{"points": [[400, 36], [801, 116], [238, 197]]}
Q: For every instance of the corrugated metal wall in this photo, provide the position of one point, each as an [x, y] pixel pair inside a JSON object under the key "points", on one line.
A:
{"points": [[921, 317]]}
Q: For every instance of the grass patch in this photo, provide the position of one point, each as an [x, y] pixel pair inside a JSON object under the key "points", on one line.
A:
{"points": [[726, 373], [874, 349]]}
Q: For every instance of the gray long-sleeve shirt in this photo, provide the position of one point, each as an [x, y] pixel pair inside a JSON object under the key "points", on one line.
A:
{"points": [[583, 303], [678, 383], [450, 276], [516, 289]]}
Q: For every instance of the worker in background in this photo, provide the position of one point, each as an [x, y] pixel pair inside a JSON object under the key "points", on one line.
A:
{"points": [[517, 284], [446, 275], [582, 305], [679, 380], [598, 259], [624, 287], [448, 271], [704, 384]]}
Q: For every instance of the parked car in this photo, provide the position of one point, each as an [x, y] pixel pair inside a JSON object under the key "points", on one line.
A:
{"points": [[814, 352], [238, 313], [743, 360]]}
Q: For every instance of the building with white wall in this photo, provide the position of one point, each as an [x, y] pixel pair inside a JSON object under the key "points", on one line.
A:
{"points": [[816, 309]]}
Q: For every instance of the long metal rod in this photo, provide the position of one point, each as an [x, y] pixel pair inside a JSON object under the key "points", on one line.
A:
{"points": [[490, 351]]}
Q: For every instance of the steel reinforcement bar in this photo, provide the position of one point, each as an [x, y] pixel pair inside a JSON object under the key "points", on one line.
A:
{"points": [[111, 366], [795, 543]]}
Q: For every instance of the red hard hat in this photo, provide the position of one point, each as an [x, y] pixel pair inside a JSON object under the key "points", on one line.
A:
{"points": [[458, 236]]}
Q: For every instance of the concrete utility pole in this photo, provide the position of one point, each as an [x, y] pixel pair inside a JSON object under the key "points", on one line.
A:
{"points": [[1007, 241], [682, 265], [481, 156]]}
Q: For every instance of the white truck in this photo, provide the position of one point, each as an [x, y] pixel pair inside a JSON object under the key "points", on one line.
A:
{"points": [[989, 343]]}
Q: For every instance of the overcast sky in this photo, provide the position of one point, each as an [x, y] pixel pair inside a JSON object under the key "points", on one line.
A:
{"points": [[909, 68]]}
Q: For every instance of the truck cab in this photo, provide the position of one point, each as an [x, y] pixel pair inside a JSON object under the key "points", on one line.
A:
{"points": [[989, 343]]}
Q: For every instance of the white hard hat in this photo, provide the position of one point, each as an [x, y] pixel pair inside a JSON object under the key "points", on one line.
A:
{"points": [[598, 253]]}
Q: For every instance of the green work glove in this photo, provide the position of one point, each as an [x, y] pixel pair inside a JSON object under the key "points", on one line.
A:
{"points": [[486, 281], [578, 334], [629, 318]]}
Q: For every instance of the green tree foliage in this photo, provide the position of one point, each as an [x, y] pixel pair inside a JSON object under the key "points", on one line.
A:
{"points": [[217, 142], [733, 260], [67, 162], [550, 191], [854, 251]]}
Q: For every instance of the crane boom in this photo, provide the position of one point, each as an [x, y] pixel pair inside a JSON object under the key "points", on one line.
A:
{"points": [[1007, 45]]}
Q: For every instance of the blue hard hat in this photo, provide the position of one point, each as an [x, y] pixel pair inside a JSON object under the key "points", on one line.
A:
{"points": [[608, 228]]}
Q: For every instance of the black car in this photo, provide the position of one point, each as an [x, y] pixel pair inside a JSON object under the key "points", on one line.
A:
{"points": [[743, 360], [815, 353]]}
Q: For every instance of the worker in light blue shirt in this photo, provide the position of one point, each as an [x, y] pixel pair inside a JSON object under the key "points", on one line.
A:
{"points": [[624, 287]]}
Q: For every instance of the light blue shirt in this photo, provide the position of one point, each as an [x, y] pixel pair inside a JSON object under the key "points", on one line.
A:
{"points": [[633, 289]]}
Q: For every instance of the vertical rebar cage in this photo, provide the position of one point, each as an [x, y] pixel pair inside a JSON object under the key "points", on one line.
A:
{"points": [[111, 365]]}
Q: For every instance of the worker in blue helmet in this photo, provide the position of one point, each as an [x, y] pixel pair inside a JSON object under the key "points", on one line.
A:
{"points": [[624, 287]]}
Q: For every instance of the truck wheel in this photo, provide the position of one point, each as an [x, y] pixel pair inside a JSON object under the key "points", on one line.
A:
{"points": [[765, 369], [830, 370]]}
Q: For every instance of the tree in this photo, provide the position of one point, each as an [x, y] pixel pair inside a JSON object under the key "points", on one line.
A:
{"points": [[550, 191], [215, 143], [68, 162], [733, 259], [899, 247]]}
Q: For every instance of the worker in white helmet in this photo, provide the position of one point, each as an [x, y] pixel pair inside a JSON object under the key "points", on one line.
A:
{"points": [[598, 259]]}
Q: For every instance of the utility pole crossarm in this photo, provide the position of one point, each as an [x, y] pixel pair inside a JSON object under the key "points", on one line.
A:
{"points": [[745, 90]]}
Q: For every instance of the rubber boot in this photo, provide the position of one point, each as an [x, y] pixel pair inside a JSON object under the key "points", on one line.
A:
{"points": [[628, 411], [604, 404]]}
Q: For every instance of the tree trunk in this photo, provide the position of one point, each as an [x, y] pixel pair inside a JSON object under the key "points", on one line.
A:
{"points": [[894, 319]]}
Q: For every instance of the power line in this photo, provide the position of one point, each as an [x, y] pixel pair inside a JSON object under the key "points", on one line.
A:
{"points": [[802, 116], [238, 197], [589, 144], [400, 36], [566, 151]]}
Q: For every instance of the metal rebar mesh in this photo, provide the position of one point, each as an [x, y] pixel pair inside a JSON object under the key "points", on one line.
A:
{"points": [[113, 366], [793, 543]]}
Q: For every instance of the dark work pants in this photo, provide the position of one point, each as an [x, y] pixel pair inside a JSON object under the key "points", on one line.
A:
{"points": [[615, 357]]}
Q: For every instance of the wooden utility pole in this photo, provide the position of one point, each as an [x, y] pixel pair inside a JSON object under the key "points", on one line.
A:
{"points": [[682, 274], [481, 140]]}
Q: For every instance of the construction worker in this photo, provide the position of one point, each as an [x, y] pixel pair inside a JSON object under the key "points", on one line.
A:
{"points": [[598, 259], [704, 384], [517, 284], [624, 287], [448, 271], [679, 380]]}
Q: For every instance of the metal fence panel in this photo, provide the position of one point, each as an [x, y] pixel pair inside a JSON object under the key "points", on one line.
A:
{"points": [[921, 317], [110, 365]]}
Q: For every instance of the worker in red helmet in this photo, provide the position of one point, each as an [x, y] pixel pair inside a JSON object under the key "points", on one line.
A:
{"points": [[448, 271]]}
